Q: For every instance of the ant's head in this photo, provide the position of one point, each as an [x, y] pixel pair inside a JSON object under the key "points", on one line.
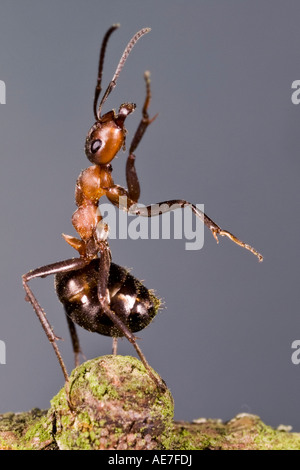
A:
{"points": [[107, 136]]}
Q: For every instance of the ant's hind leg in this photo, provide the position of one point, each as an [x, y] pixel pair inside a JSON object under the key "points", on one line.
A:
{"points": [[104, 268]]}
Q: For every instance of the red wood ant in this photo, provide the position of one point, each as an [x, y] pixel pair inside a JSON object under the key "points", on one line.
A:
{"points": [[97, 294]]}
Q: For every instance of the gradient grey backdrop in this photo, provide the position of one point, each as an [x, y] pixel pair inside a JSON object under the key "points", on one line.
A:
{"points": [[227, 135]]}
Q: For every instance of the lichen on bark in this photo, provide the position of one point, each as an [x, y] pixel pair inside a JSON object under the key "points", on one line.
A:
{"points": [[116, 405]]}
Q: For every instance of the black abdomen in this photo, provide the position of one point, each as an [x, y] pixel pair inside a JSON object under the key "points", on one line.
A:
{"points": [[130, 300]]}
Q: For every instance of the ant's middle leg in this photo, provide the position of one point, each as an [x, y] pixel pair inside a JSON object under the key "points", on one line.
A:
{"points": [[131, 174], [166, 206], [75, 340], [44, 271], [120, 198]]}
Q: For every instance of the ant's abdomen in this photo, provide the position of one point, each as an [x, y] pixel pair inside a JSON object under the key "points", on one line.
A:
{"points": [[130, 300]]}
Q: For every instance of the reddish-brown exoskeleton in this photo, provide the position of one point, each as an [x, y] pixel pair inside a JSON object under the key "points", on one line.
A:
{"points": [[97, 294]]}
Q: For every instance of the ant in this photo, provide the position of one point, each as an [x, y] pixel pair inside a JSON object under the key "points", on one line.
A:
{"points": [[97, 294]]}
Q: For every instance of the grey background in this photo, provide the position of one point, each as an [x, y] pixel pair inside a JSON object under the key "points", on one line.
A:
{"points": [[227, 135]]}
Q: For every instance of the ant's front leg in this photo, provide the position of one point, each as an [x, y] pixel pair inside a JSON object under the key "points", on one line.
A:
{"points": [[103, 296], [131, 175]]}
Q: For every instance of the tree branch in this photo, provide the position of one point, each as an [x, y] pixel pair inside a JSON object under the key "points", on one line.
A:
{"points": [[117, 406]]}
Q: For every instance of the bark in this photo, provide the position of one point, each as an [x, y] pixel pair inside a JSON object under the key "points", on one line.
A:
{"points": [[112, 403]]}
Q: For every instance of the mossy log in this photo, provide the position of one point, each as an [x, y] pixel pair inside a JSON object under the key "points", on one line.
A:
{"points": [[114, 404]]}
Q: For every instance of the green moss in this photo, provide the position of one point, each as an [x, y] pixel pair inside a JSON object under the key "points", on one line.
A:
{"points": [[268, 438], [38, 434], [29, 430], [116, 405], [5, 444], [107, 393], [193, 439], [244, 432]]}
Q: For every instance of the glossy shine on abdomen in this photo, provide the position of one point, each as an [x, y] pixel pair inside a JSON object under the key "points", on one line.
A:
{"points": [[131, 301]]}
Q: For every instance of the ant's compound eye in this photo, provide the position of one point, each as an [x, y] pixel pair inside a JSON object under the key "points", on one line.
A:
{"points": [[96, 145]]}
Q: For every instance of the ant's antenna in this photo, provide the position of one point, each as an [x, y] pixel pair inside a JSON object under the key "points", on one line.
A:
{"points": [[100, 67], [123, 59]]}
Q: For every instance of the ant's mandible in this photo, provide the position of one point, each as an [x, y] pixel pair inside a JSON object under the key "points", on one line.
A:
{"points": [[97, 294]]}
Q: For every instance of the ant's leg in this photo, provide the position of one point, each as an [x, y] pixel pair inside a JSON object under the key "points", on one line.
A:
{"points": [[145, 121], [166, 206], [131, 175], [61, 266], [115, 346], [75, 340], [120, 198], [104, 267]]}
